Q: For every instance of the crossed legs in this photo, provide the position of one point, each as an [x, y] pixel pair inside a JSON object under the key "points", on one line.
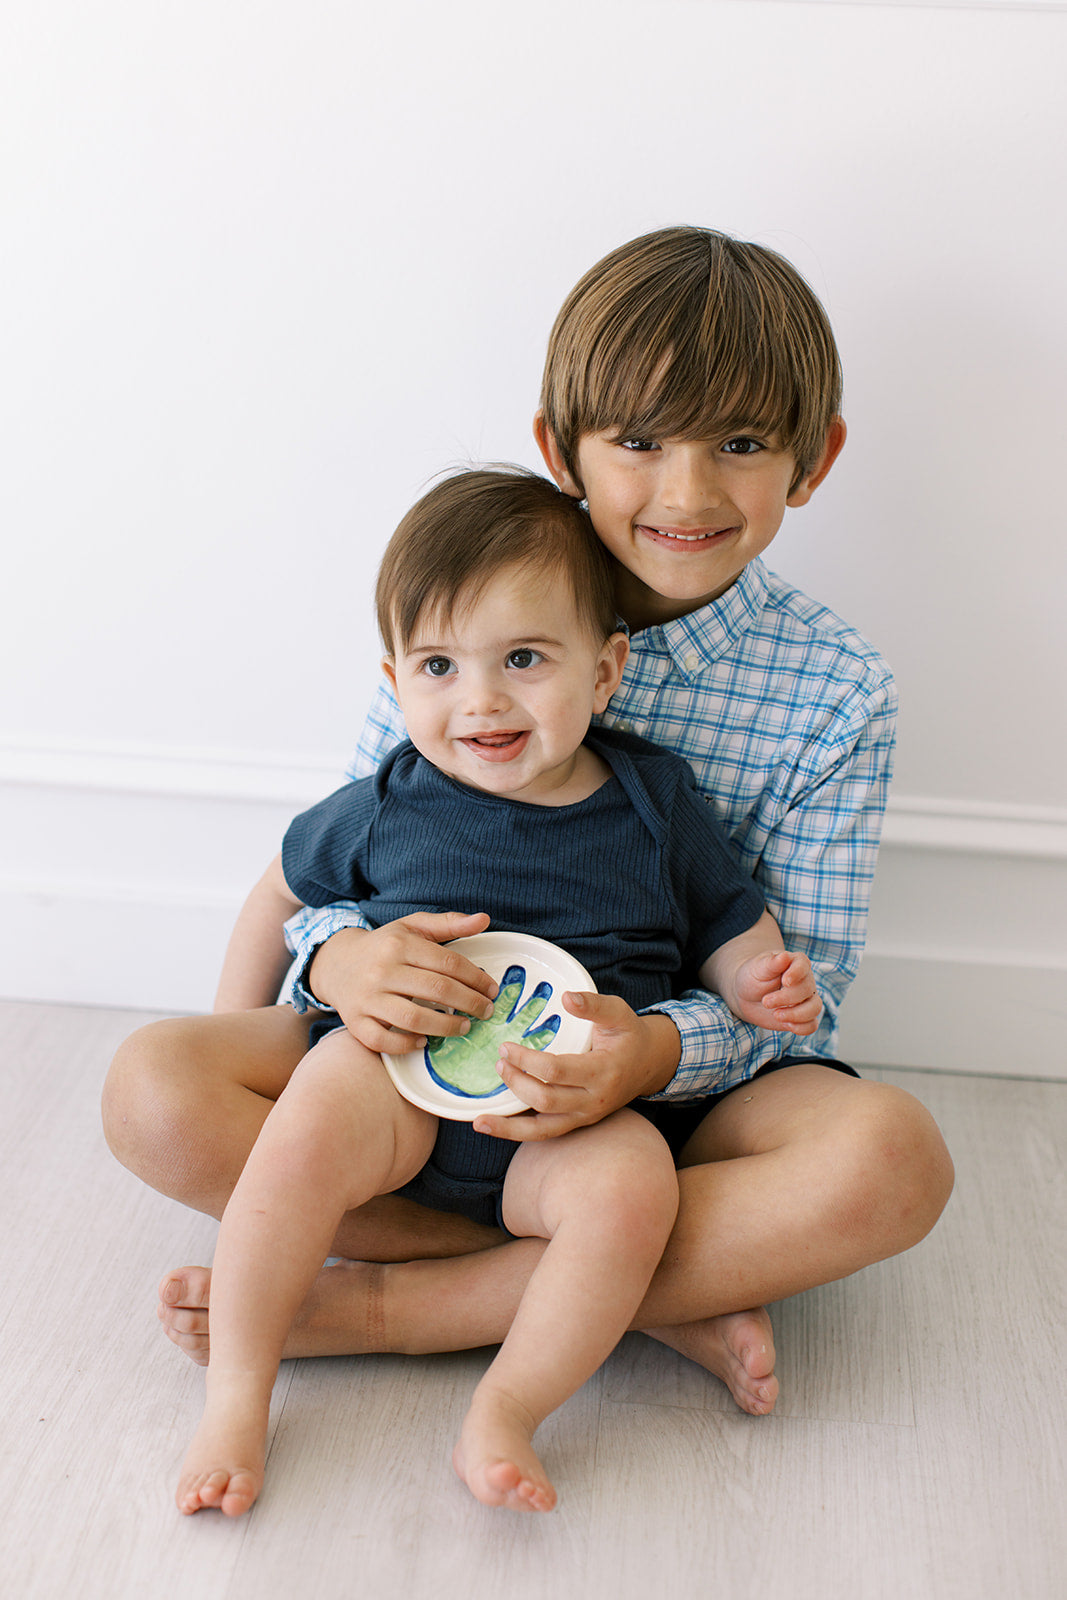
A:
{"points": [[791, 1181]]}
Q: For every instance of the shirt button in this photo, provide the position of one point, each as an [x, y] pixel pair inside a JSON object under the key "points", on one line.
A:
{"points": [[691, 663]]}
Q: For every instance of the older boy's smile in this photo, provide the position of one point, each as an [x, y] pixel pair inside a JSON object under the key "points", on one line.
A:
{"points": [[690, 536], [683, 517]]}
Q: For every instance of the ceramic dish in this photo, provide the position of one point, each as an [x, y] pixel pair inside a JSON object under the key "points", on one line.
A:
{"points": [[456, 1077]]}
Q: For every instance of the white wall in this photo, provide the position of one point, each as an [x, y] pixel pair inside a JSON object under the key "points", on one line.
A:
{"points": [[269, 266]]}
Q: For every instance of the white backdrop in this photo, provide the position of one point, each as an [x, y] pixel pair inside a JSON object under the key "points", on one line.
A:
{"points": [[268, 267]]}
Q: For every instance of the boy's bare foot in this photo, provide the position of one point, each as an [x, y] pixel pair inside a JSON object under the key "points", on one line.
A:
{"points": [[223, 1466], [496, 1461], [183, 1310], [325, 1325], [738, 1348]]}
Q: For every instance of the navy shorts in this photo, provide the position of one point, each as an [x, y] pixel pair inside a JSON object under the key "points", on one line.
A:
{"points": [[465, 1172]]}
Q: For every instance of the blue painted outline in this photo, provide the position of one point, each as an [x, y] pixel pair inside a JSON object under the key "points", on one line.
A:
{"points": [[540, 1024]]}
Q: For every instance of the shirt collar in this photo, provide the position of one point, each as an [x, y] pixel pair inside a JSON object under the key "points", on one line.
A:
{"points": [[702, 637]]}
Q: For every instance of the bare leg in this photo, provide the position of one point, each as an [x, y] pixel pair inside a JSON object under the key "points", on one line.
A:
{"points": [[605, 1197], [183, 1105], [794, 1180], [339, 1134]]}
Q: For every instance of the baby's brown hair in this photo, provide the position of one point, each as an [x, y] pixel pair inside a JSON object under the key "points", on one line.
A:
{"points": [[470, 527]]}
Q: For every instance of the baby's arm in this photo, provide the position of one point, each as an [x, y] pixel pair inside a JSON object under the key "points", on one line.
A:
{"points": [[257, 957], [763, 983]]}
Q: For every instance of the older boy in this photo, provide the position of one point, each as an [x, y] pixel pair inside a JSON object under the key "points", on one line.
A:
{"points": [[495, 606], [692, 392]]}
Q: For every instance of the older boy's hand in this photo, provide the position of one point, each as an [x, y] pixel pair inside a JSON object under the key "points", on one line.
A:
{"points": [[393, 986], [630, 1056]]}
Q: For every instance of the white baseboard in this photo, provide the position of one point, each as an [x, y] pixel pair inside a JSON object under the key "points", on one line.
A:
{"points": [[121, 871], [988, 1017]]}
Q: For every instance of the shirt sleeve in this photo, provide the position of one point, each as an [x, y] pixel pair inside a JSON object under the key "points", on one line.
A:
{"points": [[311, 926], [815, 866]]}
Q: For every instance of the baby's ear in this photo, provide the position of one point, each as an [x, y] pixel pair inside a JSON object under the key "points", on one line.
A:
{"points": [[835, 443], [389, 669], [553, 458], [610, 663]]}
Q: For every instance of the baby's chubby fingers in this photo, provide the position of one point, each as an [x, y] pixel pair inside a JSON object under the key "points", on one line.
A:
{"points": [[796, 983], [405, 982]]}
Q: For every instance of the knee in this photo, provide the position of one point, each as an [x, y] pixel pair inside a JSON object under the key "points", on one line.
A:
{"points": [[898, 1169], [638, 1198], [145, 1094]]}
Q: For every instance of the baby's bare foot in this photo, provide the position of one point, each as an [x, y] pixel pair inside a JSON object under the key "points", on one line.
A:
{"points": [[342, 1315], [223, 1467], [738, 1348], [495, 1459]]}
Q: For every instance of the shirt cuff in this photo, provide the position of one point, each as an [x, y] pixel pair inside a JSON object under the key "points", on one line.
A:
{"points": [[305, 936], [717, 1050]]}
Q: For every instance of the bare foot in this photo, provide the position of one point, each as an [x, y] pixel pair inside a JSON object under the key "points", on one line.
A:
{"points": [[223, 1467], [342, 1315], [738, 1348], [182, 1309], [496, 1461]]}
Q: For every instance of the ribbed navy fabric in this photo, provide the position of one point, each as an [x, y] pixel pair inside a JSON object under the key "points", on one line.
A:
{"points": [[638, 881]]}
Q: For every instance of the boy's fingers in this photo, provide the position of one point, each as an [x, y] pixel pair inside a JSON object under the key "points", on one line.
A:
{"points": [[529, 1126], [536, 1070], [441, 925]]}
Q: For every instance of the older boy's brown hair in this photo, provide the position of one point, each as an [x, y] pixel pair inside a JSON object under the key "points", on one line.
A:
{"points": [[476, 524], [689, 334]]}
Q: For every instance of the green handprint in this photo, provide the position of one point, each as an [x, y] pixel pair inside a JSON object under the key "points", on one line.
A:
{"points": [[467, 1064]]}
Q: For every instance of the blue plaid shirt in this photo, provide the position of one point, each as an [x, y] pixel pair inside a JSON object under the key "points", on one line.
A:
{"points": [[787, 717]]}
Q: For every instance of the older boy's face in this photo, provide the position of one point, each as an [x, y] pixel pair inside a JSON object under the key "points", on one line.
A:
{"points": [[684, 517], [499, 696]]}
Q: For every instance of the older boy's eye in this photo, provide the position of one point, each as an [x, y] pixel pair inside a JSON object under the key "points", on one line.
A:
{"points": [[638, 445], [524, 658], [743, 445], [437, 666]]}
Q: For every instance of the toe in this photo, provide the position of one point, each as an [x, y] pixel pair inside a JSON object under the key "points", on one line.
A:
{"points": [[240, 1493]]}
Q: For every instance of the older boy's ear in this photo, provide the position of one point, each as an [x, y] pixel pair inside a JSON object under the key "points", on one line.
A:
{"points": [[553, 458], [389, 668], [835, 443]]}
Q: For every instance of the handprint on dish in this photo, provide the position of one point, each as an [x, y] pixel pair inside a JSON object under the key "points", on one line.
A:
{"points": [[467, 1064]]}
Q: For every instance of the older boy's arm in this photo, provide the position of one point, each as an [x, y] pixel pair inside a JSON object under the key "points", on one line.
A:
{"points": [[313, 926], [257, 955], [816, 868]]}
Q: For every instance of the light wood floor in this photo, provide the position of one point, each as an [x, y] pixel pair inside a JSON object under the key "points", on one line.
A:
{"points": [[918, 1449]]}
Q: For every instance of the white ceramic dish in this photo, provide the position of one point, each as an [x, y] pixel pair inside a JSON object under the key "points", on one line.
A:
{"points": [[422, 1076]]}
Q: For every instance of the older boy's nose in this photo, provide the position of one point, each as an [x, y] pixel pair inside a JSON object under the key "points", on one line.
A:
{"points": [[691, 482]]}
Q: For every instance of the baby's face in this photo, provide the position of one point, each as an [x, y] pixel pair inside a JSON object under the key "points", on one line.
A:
{"points": [[499, 695]]}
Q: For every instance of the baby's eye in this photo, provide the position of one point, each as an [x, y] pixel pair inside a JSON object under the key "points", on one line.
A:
{"points": [[524, 658], [743, 445], [437, 666]]}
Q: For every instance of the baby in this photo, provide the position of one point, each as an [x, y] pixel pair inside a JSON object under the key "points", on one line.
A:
{"points": [[495, 603]]}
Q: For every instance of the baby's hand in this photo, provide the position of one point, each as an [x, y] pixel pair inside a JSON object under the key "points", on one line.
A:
{"points": [[395, 985], [777, 990]]}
